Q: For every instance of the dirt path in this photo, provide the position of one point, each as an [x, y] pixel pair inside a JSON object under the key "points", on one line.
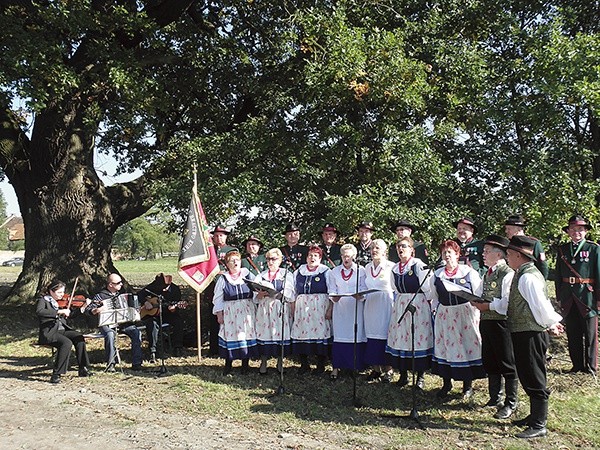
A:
{"points": [[35, 414]]}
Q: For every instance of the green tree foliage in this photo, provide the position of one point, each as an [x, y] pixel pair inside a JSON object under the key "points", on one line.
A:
{"points": [[146, 236], [3, 231], [305, 111]]}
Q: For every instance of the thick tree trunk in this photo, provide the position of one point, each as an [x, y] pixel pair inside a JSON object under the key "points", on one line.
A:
{"points": [[69, 215]]}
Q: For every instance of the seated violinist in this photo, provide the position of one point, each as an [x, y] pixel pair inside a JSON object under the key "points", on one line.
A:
{"points": [[162, 291], [55, 331], [113, 287]]}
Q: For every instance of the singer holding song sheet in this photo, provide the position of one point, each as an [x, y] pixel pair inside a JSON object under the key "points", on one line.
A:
{"points": [[409, 281], [457, 345]]}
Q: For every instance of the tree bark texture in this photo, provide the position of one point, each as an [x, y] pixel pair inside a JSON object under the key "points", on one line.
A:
{"points": [[69, 215]]}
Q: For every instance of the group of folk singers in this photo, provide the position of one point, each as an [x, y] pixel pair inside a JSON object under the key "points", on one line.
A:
{"points": [[317, 309]]}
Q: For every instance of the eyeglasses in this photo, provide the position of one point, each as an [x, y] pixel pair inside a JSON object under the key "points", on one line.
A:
{"points": [[272, 259], [118, 282], [403, 245]]}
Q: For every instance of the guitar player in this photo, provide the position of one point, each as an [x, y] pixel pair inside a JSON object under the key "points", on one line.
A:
{"points": [[171, 303]]}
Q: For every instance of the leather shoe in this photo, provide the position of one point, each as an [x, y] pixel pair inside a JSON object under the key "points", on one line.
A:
{"points": [[530, 433], [85, 372], [504, 413], [319, 369], [496, 403], [521, 422], [443, 392], [55, 378], [303, 369], [467, 395], [420, 383], [403, 380]]}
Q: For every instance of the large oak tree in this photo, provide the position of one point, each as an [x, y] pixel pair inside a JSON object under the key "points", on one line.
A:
{"points": [[294, 110]]}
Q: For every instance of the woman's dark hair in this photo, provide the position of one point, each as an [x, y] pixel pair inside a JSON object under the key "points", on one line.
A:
{"points": [[54, 285]]}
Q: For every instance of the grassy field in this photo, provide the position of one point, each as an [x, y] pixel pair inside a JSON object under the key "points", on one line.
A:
{"points": [[317, 408]]}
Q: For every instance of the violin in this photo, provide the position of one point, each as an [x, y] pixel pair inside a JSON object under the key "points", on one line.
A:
{"points": [[73, 301]]}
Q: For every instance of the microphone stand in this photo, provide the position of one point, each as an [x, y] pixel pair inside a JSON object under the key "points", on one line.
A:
{"points": [[414, 413], [355, 401], [281, 388], [162, 371]]}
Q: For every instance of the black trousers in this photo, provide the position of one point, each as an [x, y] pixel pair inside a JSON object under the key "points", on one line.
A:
{"points": [[63, 342], [153, 326], [497, 349], [582, 336], [530, 359]]}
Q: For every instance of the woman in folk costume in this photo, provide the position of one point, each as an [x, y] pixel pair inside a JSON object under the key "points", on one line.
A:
{"points": [[409, 281], [271, 311], [457, 345], [378, 309], [311, 330], [235, 312], [347, 278]]}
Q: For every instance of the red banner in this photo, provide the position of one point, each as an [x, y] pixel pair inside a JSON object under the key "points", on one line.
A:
{"points": [[198, 263]]}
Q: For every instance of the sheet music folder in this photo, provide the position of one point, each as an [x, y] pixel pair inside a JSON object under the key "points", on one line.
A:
{"points": [[262, 286], [462, 292], [368, 291]]}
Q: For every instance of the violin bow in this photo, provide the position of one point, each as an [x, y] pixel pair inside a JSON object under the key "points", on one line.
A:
{"points": [[72, 293]]}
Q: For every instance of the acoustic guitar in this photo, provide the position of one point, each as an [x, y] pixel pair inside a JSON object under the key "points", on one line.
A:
{"points": [[182, 304]]}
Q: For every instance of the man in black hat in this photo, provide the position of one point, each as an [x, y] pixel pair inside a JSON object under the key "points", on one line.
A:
{"points": [[402, 229], [515, 226], [496, 344], [577, 284], [253, 260], [332, 256], [530, 315], [219, 237], [294, 254], [471, 249], [365, 233]]}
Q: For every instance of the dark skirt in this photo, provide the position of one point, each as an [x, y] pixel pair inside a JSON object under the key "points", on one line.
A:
{"points": [[343, 355], [375, 352], [238, 350]]}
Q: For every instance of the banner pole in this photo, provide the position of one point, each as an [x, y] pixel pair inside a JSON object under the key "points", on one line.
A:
{"points": [[198, 326]]}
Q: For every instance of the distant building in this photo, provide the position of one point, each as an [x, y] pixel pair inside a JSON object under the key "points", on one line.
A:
{"points": [[15, 227]]}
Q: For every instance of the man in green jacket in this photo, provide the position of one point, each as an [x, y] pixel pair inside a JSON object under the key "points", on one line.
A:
{"points": [[577, 276]]}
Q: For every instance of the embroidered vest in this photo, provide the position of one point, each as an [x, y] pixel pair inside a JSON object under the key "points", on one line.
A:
{"points": [[407, 283], [311, 284], [233, 292], [492, 287], [520, 317], [447, 299]]}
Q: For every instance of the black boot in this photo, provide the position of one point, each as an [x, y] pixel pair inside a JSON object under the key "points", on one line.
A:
{"points": [[420, 380], [320, 365], [537, 419], [510, 403], [245, 366], [403, 380], [304, 366], [227, 368], [495, 390], [446, 388]]}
